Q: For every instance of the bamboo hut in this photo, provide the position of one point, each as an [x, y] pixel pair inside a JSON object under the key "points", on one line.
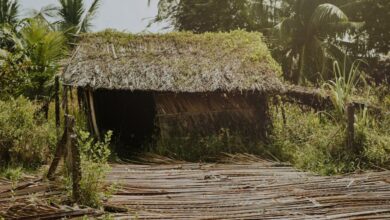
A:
{"points": [[175, 84]]}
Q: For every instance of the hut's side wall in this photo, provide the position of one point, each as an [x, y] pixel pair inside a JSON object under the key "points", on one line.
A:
{"points": [[187, 114]]}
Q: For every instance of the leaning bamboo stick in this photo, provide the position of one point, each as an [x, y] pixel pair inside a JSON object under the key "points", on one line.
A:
{"points": [[93, 114]]}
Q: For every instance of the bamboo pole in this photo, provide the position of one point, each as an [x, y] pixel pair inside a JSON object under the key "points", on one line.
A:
{"points": [[93, 114]]}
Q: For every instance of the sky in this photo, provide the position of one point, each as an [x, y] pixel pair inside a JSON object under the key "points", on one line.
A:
{"points": [[124, 15]]}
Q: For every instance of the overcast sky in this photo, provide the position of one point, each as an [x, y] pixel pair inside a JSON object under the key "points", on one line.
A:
{"points": [[123, 15]]}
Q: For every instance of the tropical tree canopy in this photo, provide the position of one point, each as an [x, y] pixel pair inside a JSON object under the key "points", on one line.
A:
{"points": [[306, 46], [215, 15], [30, 51], [375, 35]]}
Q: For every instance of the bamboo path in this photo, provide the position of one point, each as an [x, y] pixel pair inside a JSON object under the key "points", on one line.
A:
{"points": [[236, 190], [256, 190]]}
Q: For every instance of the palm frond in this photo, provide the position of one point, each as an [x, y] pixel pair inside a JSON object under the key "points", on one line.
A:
{"points": [[86, 23], [326, 14], [9, 11], [71, 13], [45, 47], [44, 14]]}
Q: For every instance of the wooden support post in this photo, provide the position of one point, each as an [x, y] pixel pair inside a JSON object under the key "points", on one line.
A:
{"points": [[57, 102], [69, 140], [76, 162], [93, 114], [350, 126]]}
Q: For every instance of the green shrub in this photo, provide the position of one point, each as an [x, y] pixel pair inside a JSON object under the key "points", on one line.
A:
{"points": [[25, 137], [309, 140]]}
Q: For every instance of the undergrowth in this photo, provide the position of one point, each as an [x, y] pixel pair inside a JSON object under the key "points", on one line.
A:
{"points": [[316, 142], [206, 148], [26, 138]]}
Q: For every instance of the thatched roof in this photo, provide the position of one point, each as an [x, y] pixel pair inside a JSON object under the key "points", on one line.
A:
{"points": [[178, 62]]}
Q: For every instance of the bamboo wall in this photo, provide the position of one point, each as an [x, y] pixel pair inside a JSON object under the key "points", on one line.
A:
{"points": [[186, 114]]}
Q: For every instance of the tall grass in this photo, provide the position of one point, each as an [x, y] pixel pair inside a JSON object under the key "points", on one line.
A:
{"points": [[343, 86], [316, 141]]}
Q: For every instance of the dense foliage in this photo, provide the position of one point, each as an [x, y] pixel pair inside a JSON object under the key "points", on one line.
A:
{"points": [[25, 137], [305, 36], [213, 15], [317, 142], [374, 36]]}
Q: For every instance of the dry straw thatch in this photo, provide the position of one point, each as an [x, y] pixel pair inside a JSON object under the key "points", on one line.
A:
{"points": [[176, 62]]}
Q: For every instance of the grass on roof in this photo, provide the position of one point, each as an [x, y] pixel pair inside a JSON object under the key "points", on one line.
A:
{"points": [[252, 42]]}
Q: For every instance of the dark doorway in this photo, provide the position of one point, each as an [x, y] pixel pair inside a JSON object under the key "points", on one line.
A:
{"points": [[130, 115]]}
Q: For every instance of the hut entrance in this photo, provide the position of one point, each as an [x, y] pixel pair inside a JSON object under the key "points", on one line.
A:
{"points": [[130, 115]]}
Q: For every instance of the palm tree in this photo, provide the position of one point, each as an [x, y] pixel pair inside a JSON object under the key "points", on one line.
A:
{"points": [[9, 12], [45, 49], [74, 17], [307, 37]]}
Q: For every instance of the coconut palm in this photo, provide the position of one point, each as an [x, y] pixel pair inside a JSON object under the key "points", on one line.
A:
{"points": [[74, 17], [305, 38], [9, 11], [44, 48]]}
